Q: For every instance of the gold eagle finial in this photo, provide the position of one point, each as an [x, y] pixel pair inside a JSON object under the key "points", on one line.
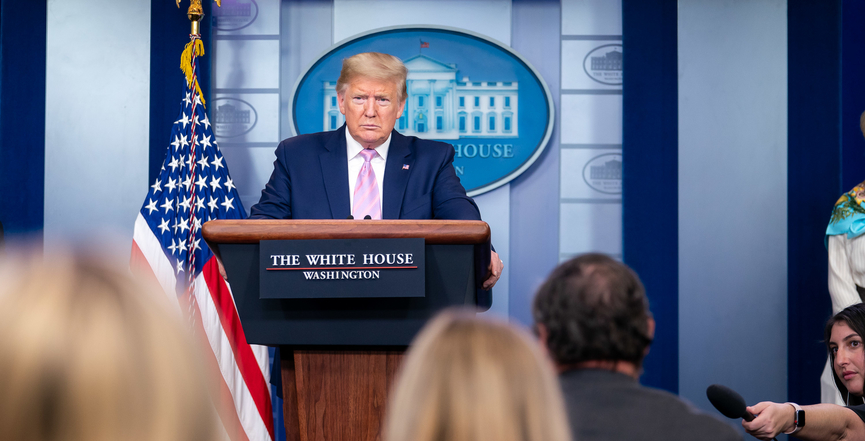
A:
{"points": [[195, 13]]}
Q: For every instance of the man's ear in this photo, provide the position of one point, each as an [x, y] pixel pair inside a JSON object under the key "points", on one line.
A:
{"points": [[651, 325], [543, 338], [650, 332], [543, 334], [401, 109], [340, 100]]}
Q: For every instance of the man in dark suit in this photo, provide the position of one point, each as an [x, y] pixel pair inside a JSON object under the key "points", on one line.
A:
{"points": [[366, 168], [592, 317]]}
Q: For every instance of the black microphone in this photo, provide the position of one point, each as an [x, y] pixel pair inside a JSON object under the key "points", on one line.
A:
{"points": [[728, 402], [350, 217], [367, 217]]}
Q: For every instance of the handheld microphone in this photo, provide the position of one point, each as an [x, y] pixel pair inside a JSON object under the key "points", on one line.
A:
{"points": [[367, 217], [728, 402]]}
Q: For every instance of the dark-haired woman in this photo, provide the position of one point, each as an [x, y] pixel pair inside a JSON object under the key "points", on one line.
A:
{"points": [[844, 340]]}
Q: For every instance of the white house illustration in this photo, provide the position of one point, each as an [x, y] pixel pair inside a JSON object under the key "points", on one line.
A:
{"points": [[440, 107], [611, 169]]}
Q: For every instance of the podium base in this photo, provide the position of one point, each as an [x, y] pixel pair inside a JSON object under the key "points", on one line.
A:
{"points": [[337, 394]]}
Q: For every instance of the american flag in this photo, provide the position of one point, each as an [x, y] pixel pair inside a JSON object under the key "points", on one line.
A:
{"points": [[194, 187]]}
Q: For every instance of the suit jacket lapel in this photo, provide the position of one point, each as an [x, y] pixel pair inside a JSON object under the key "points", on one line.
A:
{"points": [[334, 171], [396, 175]]}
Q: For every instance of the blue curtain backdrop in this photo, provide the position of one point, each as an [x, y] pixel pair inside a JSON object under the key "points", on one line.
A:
{"points": [[814, 177], [650, 185], [22, 116], [852, 92], [169, 33]]}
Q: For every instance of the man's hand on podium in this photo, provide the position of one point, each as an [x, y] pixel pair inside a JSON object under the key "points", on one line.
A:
{"points": [[496, 267], [221, 268]]}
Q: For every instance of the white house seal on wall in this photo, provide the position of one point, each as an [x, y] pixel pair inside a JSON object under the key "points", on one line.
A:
{"points": [[604, 64], [463, 88]]}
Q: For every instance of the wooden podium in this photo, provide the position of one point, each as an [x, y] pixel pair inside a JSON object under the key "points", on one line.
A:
{"points": [[339, 356]]}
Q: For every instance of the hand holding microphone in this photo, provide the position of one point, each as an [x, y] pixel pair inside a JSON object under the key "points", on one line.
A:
{"points": [[771, 419], [764, 420]]}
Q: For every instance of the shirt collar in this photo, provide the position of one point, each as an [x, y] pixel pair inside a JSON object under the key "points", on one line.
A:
{"points": [[353, 147]]}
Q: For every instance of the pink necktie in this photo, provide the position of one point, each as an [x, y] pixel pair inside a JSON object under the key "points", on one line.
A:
{"points": [[366, 199]]}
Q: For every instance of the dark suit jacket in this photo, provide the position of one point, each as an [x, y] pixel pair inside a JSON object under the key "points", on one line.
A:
{"points": [[604, 405], [310, 181]]}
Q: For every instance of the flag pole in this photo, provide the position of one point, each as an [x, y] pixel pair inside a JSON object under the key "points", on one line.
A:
{"points": [[193, 187]]}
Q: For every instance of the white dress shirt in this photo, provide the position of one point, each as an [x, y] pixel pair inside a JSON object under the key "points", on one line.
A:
{"points": [[846, 270], [355, 162]]}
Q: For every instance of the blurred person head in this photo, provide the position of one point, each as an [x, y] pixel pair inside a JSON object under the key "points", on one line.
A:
{"points": [[843, 336], [86, 354], [371, 92], [592, 312], [472, 379]]}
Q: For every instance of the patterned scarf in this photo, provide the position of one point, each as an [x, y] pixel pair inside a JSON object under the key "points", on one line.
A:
{"points": [[848, 216]]}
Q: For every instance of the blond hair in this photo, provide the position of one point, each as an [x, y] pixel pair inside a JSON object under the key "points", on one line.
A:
{"points": [[376, 66], [85, 354], [473, 379]]}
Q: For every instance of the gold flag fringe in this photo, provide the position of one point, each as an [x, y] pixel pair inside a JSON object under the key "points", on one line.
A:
{"points": [[186, 64]]}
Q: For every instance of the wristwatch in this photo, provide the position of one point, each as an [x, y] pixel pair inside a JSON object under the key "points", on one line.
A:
{"points": [[798, 419]]}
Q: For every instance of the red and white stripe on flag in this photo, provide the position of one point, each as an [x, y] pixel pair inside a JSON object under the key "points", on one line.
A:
{"points": [[242, 370]]}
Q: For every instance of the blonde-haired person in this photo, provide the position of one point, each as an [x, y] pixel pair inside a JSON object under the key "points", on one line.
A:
{"points": [[472, 379], [85, 354]]}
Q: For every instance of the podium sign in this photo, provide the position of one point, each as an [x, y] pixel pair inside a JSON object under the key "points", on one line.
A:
{"points": [[341, 268]]}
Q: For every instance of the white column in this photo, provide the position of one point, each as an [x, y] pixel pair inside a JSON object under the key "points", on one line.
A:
{"points": [[96, 121], [733, 197]]}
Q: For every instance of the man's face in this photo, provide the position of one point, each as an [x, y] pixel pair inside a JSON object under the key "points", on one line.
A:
{"points": [[371, 108]]}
